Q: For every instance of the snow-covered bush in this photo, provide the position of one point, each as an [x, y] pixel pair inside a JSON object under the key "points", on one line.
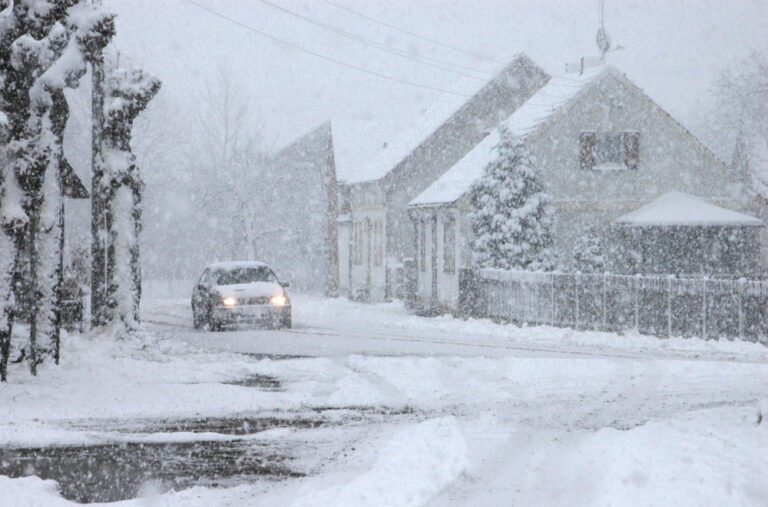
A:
{"points": [[588, 255], [512, 218]]}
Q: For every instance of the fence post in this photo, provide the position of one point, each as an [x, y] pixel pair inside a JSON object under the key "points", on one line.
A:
{"points": [[704, 308], [637, 303], [605, 295], [577, 280], [741, 308], [669, 306], [498, 295], [552, 320]]}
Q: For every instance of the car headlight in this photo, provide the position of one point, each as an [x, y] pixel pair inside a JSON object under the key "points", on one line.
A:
{"points": [[229, 301], [278, 300]]}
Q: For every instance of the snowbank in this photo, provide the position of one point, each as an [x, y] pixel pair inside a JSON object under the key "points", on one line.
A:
{"points": [[409, 469]]}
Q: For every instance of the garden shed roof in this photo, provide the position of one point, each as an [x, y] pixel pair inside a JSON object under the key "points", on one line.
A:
{"points": [[681, 209]]}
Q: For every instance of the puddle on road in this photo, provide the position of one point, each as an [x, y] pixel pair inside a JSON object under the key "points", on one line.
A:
{"points": [[120, 471], [226, 426], [263, 382], [108, 473], [273, 357]]}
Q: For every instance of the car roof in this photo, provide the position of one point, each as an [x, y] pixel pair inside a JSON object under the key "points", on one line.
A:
{"points": [[237, 264]]}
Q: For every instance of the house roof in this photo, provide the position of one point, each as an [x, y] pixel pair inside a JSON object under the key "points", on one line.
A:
{"points": [[558, 92], [681, 209], [430, 120]]}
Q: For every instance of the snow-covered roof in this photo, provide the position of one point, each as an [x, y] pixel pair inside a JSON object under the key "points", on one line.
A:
{"points": [[357, 141], [679, 208], [525, 120], [422, 128]]}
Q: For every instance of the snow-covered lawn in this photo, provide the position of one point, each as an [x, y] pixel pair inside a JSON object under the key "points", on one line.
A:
{"points": [[494, 414]]}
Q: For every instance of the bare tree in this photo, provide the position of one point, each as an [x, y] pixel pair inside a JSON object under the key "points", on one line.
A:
{"points": [[231, 162], [740, 117]]}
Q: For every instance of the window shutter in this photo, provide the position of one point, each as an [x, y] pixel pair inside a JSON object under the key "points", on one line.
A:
{"points": [[632, 149], [587, 142]]}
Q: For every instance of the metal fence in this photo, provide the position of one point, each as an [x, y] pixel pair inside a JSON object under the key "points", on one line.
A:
{"points": [[653, 305]]}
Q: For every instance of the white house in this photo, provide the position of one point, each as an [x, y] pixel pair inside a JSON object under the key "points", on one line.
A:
{"points": [[375, 233], [603, 149]]}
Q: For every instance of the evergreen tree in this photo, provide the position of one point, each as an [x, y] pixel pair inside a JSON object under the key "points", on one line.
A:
{"points": [[84, 29], [42, 48], [588, 253], [512, 218]]}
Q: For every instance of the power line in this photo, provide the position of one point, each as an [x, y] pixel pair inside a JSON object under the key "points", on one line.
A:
{"points": [[322, 56], [412, 34], [380, 46]]}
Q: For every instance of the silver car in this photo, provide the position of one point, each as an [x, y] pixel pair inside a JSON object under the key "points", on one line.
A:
{"points": [[229, 294]]}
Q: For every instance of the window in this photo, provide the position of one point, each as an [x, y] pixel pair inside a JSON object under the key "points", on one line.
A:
{"points": [[423, 245], [609, 151], [205, 278], [240, 275], [449, 245], [357, 243]]}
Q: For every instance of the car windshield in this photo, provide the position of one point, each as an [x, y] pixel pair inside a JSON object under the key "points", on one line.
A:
{"points": [[245, 275]]}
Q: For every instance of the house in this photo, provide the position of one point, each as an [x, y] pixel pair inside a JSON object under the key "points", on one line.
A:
{"points": [[603, 149], [375, 233], [298, 229]]}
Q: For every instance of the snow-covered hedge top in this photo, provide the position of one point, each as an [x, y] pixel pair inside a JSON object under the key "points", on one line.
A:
{"points": [[526, 119], [681, 209]]}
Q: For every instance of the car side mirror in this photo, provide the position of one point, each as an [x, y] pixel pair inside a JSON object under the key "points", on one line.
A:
{"points": [[285, 284]]}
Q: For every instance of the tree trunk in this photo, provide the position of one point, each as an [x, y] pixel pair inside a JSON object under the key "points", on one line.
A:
{"points": [[34, 219], [48, 254], [135, 251], [122, 246], [98, 205], [8, 261]]}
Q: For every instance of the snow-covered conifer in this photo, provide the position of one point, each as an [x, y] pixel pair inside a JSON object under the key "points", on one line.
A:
{"points": [[588, 256], [512, 218]]}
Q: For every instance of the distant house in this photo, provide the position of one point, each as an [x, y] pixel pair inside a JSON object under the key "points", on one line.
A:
{"points": [[603, 149], [299, 239], [375, 233]]}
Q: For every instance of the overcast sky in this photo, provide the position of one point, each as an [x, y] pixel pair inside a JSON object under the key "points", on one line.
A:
{"points": [[672, 50]]}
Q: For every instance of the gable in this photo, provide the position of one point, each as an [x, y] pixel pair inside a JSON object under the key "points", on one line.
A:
{"points": [[529, 117], [462, 119], [553, 120], [669, 158]]}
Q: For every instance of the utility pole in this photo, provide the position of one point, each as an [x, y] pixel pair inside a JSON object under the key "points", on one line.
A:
{"points": [[98, 208]]}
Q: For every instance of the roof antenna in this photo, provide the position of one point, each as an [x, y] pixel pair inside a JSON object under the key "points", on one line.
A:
{"points": [[603, 39], [603, 44]]}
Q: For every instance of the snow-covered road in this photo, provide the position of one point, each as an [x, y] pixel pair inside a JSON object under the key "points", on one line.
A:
{"points": [[485, 414], [332, 327]]}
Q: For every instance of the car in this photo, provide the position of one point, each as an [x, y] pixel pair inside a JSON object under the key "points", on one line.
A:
{"points": [[240, 292]]}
